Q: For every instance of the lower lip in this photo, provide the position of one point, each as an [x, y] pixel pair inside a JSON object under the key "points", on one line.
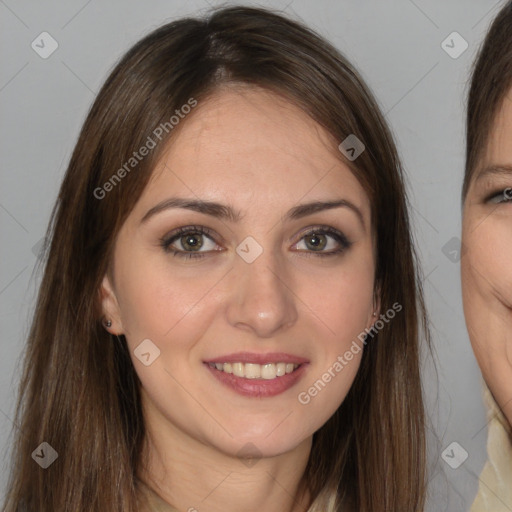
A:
{"points": [[258, 387]]}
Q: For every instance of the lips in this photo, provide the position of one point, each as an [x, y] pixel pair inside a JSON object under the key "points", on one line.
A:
{"points": [[258, 375], [251, 357]]}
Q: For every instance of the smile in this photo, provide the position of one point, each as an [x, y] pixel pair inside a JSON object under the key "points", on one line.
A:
{"points": [[267, 371], [258, 375]]}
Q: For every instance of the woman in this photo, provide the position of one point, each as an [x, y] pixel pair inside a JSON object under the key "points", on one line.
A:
{"points": [[487, 242], [230, 310]]}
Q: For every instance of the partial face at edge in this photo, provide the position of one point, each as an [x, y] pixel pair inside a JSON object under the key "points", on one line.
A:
{"points": [[486, 262], [261, 156]]}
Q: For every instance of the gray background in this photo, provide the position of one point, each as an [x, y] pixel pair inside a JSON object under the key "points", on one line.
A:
{"points": [[397, 47]]}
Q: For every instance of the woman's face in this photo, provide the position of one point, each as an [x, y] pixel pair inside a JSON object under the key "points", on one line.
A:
{"points": [[486, 262], [236, 254]]}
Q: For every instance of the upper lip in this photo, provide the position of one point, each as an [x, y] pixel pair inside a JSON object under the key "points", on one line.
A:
{"points": [[255, 358]]}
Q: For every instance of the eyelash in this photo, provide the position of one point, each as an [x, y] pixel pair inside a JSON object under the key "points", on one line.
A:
{"points": [[504, 193], [169, 239]]}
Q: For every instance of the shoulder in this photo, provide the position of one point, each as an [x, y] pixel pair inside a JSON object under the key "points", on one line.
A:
{"points": [[495, 488]]}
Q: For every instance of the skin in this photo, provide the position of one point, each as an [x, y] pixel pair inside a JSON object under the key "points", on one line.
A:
{"points": [[252, 150], [486, 269]]}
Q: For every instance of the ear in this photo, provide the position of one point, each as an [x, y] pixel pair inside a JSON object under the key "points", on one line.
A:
{"points": [[375, 311], [110, 307]]}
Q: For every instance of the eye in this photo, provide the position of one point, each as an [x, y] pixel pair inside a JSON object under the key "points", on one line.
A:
{"points": [[502, 196], [189, 242], [323, 241], [195, 241]]}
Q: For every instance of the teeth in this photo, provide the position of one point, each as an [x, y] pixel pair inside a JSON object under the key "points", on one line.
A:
{"points": [[266, 371], [238, 369], [252, 371], [280, 369]]}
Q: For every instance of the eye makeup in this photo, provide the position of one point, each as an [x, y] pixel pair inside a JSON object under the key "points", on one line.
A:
{"points": [[193, 237]]}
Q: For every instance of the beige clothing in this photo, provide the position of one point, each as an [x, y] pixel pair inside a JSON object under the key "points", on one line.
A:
{"points": [[150, 501], [495, 489]]}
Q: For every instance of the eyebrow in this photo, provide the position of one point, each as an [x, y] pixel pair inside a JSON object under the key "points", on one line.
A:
{"points": [[225, 212], [494, 170]]}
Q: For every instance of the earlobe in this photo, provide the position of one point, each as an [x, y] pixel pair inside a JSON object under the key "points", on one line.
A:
{"points": [[373, 316], [375, 312], [111, 315]]}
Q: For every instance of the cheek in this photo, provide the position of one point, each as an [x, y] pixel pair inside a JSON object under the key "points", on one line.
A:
{"points": [[344, 297], [486, 267], [156, 300], [341, 302], [349, 300], [343, 311]]}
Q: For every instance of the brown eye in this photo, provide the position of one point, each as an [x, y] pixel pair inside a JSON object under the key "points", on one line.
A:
{"points": [[323, 241], [193, 241], [316, 241], [189, 242]]}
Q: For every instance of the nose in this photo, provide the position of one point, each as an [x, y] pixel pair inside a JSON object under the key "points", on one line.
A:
{"points": [[262, 300]]}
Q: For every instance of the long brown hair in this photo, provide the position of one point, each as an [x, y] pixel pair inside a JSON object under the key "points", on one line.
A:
{"points": [[491, 79], [79, 391]]}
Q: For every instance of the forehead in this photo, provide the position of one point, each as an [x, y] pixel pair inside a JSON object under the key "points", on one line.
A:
{"points": [[243, 142], [498, 150], [500, 140]]}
